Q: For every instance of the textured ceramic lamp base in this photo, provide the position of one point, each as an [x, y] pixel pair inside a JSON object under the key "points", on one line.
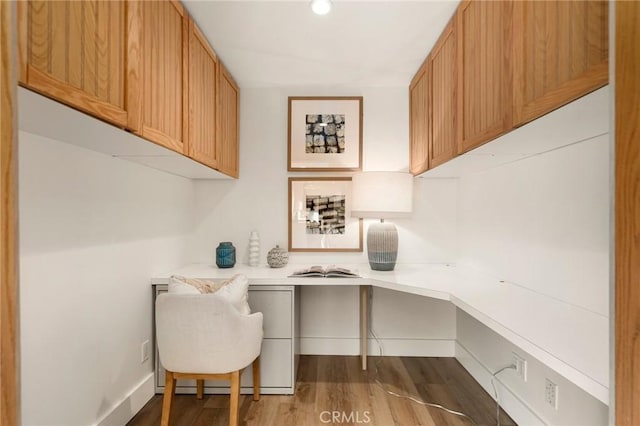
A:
{"points": [[382, 246]]}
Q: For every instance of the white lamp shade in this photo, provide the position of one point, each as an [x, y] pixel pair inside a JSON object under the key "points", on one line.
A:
{"points": [[382, 195]]}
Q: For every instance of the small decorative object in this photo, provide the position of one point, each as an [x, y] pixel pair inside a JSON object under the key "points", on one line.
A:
{"points": [[254, 249], [225, 255], [320, 216], [325, 133], [277, 257]]}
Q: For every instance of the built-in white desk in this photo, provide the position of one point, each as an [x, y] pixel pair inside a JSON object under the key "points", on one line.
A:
{"points": [[571, 340]]}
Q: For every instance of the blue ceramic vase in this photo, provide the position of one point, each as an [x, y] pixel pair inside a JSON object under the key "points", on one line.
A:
{"points": [[225, 255]]}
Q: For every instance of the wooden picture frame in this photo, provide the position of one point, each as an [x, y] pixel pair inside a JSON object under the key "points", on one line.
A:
{"points": [[320, 215], [324, 133]]}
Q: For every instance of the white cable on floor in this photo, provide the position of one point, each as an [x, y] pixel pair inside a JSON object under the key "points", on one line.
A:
{"points": [[409, 397], [421, 402], [495, 390]]}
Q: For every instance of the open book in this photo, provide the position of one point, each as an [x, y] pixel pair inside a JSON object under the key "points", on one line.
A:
{"points": [[328, 272]]}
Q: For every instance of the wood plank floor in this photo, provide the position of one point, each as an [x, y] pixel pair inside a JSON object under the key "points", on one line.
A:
{"points": [[328, 384]]}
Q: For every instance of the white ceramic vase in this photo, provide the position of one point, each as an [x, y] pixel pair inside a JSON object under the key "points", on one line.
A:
{"points": [[254, 249]]}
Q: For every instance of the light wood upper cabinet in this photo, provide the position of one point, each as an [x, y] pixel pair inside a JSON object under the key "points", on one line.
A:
{"points": [[484, 39], [500, 64], [141, 65], [419, 120], [560, 53], [228, 123], [443, 63], [164, 74], [82, 53], [203, 104]]}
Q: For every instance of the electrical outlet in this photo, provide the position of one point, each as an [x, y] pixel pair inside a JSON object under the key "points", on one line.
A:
{"points": [[521, 365], [551, 393], [144, 351]]}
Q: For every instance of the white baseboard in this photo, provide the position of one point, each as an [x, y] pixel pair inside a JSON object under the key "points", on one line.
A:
{"points": [[519, 411], [390, 347], [329, 346], [124, 411]]}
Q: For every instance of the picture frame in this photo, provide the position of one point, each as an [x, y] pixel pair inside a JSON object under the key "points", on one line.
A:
{"points": [[325, 133], [320, 215]]}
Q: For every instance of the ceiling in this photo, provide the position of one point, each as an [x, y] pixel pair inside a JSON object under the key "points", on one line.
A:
{"points": [[359, 43]]}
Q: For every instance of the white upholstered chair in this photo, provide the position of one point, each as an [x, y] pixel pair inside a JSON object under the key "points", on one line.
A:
{"points": [[204, 337]]}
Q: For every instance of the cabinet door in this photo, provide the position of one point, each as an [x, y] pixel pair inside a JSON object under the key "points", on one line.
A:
{"points": [[228, 123], [81, 53], [419, 120], [560, 53], [443, 142], [164, 79], [279, 306], [485, 72], [203, 64]]}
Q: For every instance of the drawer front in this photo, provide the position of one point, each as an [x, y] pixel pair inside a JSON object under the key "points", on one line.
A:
{"points": [[276, 360], [276, 309]]}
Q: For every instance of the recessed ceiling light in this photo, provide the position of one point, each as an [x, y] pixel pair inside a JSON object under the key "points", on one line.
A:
{"points": [[321, 7]]}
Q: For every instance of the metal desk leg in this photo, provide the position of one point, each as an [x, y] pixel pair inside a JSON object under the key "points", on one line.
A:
{"points": [[364, 323]]}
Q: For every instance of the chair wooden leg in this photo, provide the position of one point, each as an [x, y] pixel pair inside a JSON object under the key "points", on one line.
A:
{"points": [[199, 388], [167, 400], [256, 379], [234, 405]]}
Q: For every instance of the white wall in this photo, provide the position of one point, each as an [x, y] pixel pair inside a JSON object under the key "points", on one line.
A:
{"points": [[230, 210], [401, 324], [93, 230], [541, 223]]}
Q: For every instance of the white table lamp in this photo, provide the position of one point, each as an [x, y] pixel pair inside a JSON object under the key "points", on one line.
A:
{"points": [[382, 195]]}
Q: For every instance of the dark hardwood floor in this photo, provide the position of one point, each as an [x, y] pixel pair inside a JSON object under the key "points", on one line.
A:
{"points": [[331, 386]]}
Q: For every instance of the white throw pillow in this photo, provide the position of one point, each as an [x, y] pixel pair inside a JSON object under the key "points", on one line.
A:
{"points": [[237, 292], [234, 290], [176, 286]]}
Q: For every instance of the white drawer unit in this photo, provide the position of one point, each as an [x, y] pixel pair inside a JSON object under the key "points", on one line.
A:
{"points": [[279, 356]]}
